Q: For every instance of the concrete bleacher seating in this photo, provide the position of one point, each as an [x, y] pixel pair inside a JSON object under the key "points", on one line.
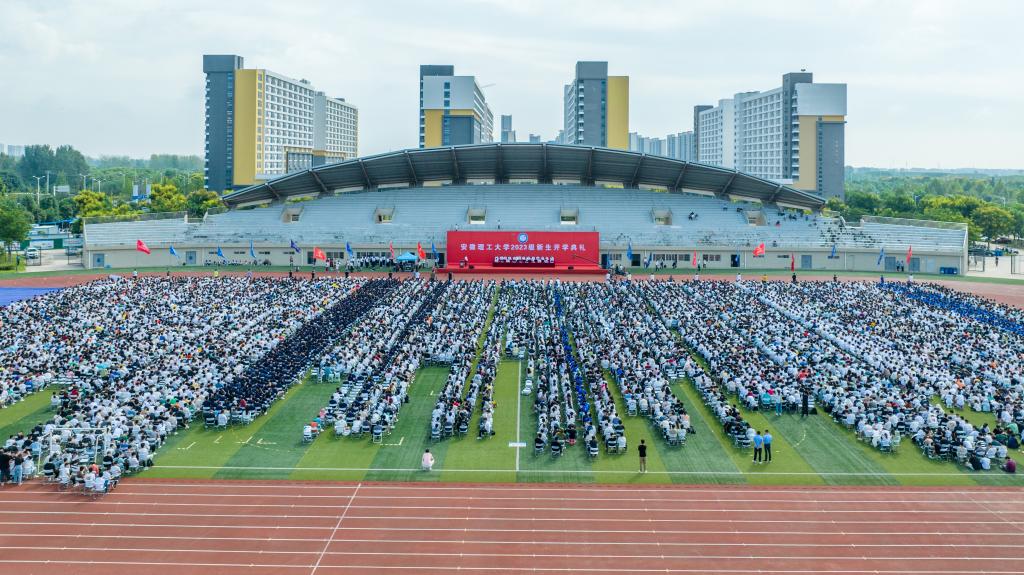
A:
{"points": [[425, 214]]}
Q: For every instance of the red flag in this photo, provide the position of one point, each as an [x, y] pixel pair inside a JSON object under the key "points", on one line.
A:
{"points": [[694, 259], [792, 262], [318, 254], [420, 252], [910, 252], [759, 250], [141, 247], [391, 248]]}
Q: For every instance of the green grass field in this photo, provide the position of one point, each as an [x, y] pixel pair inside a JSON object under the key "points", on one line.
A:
{"points": [[809, 451]]}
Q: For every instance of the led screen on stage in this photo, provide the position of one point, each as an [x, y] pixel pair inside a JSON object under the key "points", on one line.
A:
{"points": [[497, 248]]}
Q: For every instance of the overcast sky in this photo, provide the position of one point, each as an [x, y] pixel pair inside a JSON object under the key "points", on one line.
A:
{"points": [[932, 83]]}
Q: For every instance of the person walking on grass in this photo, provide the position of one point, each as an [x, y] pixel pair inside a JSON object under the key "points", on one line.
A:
{"points": [[767, 447], [642, 451], [758, 446]]}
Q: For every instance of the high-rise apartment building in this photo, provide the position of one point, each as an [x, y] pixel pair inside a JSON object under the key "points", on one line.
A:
{"points": [[793, 134], [596, 107], [453, 109], [508, 135], [260, 124], [681, 146]]}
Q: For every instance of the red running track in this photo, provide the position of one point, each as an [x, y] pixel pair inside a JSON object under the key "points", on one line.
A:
{"points": [[246, 527]]}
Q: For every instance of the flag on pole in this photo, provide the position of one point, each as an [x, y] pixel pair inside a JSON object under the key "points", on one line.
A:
{"points": [[419, 251], [695, 258], [318, 254], [173, 253], [792, 262], [910, 252], [295, 247], [647, 263], [759, 250], [348, 249], [252, 250], [391, 248], [141, 247], [220, 253], [833, 256], [629, 252], [881, 256], [433, 250]]}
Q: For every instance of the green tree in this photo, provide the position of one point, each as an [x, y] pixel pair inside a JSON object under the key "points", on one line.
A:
{"points": [[993, 221], [200, 201], [69, 162], [166, 198], [36, 161], [15, 224]]}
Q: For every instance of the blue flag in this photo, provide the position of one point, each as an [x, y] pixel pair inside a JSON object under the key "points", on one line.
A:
{"points": [[348, 250], [647, 263], [629, 253], [433, 250], [833, 256], [295, 247], [220, 253], [881, 256], [173, 253], [252, 250]]}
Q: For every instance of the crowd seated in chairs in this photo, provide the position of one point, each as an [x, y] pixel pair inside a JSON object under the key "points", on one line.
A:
{"points": [[872, 359]]}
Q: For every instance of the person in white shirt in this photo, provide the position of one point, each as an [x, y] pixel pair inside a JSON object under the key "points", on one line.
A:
{"points": [[428, 461]]}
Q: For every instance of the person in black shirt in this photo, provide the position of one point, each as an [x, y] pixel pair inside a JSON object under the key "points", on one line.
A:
{"points": [[642, 451]]}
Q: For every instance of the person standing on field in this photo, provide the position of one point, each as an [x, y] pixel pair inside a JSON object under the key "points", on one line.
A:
{"points": [[642, 451]]}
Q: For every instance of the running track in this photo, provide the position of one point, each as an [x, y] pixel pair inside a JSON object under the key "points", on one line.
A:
{"points": [[185, 527]]}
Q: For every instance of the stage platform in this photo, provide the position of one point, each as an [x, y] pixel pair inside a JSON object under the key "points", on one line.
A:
{"points": [[540, 270]]}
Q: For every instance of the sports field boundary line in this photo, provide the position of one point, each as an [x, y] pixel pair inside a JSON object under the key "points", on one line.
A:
{"points": [[568, 470]]}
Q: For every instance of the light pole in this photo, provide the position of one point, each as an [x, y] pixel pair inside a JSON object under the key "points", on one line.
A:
{"points": [[83, 176], [38, 179], [99, 185], [47, 181]]}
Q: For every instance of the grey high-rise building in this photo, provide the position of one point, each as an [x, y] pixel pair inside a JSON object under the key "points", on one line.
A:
{"points": [[596, 107], [696, 133], [793, 134], [508, 135], [534, 138]]}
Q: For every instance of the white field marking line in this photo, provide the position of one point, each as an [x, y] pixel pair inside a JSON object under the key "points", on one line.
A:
{"points": [[187, 448], [246, 441], [400, 440], [335, 531], [773, 533], [378, 568], [661, 502], [519, 407], [219, 437], [463, 555], [471, 508], [529, 487], [571, 470]]}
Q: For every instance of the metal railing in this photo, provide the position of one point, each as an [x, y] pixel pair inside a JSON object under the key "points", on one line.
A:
{"points": [[917, 223], [139, 217]]}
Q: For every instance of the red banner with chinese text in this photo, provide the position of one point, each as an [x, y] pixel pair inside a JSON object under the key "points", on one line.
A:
{"points": [[484, 248]]}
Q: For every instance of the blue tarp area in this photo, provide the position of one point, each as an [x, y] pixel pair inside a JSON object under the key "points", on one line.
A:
{"points": [[406, 257], [7, 295]]}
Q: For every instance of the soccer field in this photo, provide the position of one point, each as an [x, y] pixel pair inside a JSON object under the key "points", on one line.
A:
{"points": [[810, 451]]}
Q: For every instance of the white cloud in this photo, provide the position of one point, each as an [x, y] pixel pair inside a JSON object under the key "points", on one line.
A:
{"points": [[931, 82]]}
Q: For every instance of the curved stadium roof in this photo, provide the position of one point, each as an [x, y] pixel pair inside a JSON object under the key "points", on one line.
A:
{"points": [[541, 162]]}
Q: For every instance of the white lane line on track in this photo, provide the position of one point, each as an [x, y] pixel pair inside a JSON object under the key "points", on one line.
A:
{"points": [[461, 569], [463, 555], [485, 510], [774, 533], [336, 527]]}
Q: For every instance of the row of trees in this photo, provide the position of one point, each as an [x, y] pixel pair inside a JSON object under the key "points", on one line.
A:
{"points": [[992, 207]]}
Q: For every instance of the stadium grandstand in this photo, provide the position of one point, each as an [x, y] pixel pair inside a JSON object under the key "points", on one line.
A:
{"points": [[646, 210]]}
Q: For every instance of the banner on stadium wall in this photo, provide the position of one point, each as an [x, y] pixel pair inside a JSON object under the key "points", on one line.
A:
{"points": [[580, 249]]}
